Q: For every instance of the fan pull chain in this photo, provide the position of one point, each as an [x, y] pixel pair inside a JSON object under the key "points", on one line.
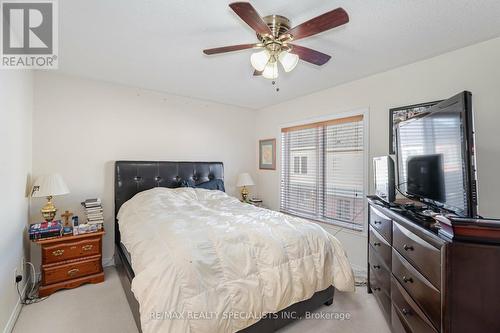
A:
{"points": [[274, 83]]}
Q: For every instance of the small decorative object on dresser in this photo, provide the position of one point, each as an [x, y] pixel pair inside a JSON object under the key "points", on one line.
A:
{"points": [[244, 180], [70, 261], [267, 154], [49, 186]]}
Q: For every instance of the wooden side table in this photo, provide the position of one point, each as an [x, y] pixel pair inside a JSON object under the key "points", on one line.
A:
{"points": [[70, 261]]}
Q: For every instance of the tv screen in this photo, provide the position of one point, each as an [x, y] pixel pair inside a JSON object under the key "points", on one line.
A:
{"points": [[435, 156]]}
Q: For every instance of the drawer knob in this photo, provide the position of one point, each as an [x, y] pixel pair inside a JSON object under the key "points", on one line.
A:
{"points": [[73, 272], [376, 266], [57, 253], [87, 247], [405, 311], [408, 247], [407, 279], [376, 244]]}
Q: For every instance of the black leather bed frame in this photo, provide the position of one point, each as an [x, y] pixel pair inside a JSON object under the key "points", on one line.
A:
{"points": [[132, 177]]}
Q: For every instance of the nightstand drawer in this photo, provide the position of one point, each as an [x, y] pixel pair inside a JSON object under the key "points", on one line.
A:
{"points": [[72, 270], [71, 250]]}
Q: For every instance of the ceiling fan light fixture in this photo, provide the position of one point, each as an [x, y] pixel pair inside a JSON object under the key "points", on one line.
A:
{"points": [[288, 60], [260, 59], [271, 70]]}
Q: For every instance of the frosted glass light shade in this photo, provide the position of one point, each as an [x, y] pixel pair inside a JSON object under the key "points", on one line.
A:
{"points": [[244, 179], [260, 59], [49, 185], [271, 70], [288, 60]]}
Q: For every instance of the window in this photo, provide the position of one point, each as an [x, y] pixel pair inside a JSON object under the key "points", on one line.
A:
{"points": [[322, 176]]}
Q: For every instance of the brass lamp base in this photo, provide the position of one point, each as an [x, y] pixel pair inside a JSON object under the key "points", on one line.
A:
{"points": [[49, 210], [244, 193]]}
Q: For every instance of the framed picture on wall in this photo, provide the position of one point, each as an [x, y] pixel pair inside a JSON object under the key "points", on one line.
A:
{"points": [[402, 113], [267, 154]]}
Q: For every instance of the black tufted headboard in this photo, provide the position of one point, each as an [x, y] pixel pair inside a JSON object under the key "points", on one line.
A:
{"points": [[132, 177]]}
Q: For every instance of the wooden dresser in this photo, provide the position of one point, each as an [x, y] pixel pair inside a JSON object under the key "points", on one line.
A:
{"points": [[70, 261], [426, 283]]}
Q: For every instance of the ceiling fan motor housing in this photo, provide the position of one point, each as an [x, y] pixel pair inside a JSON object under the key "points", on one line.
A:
{"points": [[278, 25]]}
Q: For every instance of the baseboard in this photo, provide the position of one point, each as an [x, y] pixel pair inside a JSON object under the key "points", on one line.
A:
{"points": [[360, 273], [106, 262], [15, 313]]}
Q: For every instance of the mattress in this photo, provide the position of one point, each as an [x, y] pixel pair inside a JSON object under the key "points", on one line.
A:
{"points": [[205, 262]]}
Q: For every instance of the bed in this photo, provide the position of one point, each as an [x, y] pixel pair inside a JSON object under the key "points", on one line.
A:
{"points": [[185, 251]]}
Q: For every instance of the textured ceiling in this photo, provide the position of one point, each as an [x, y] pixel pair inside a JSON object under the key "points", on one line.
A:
{"points": [[157, 44]]}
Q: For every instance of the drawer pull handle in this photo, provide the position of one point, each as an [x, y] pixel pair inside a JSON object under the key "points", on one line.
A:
{"points": [[73, 272], [57, 253], [376, 288], [378, 222], [376, 244], [408, 247], [407, 279], [87, 247], [405, 311], [376, 266]]}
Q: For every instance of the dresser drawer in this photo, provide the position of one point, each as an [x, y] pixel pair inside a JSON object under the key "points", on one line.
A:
{"points": [[381, 223], [381, 275], [425, 257], [58, 273], [418, 287], [408, 312], [398, 323], [381, 295], [57, 252], [381, 246]]}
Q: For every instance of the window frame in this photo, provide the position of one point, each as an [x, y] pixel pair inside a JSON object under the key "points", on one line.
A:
{"points": [[366, 156]]}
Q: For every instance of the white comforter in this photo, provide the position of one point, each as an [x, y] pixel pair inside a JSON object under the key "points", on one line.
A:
{"points": [[205, 262]]}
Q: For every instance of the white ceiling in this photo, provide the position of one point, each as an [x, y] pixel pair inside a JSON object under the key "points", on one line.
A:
{"points": [[157, 44]]}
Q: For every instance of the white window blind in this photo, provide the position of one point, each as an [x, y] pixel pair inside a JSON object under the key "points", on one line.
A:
{"points": [[322, 175]]}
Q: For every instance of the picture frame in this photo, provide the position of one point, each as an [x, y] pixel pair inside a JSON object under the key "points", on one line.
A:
{"points": [[402, 113], [267, 154]]}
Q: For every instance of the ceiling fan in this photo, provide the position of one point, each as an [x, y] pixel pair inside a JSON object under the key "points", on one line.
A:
{"points": [[276, 37]]}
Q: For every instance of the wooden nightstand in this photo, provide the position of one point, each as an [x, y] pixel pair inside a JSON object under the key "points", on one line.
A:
{"points": [[70, 261]]}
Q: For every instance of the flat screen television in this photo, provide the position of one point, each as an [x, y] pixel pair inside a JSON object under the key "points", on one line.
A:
{"points": [[436, 157]]}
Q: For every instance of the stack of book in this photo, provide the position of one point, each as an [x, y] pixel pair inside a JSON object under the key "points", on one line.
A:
{"points": [[93, 212], [45, 230]]}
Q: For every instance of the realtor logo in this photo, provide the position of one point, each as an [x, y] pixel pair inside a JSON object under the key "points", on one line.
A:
{"points": [[29, 34]]}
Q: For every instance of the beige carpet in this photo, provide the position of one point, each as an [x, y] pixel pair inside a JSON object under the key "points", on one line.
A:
{"points": [[104, 308]]}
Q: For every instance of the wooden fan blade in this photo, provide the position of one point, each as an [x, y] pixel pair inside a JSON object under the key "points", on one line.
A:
{"points": [[231, 48], [257, 73], [248, 14], [310, 55], [319, 24]]}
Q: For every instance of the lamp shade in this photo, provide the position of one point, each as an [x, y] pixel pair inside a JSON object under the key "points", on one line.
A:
{"points": [[244, 179], [288, 60], [271, 70], [49, 185], [260, 59]]}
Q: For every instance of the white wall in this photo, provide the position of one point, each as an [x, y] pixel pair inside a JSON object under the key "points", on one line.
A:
{"points": [[16, 106], [475, 68], [80, 127]]}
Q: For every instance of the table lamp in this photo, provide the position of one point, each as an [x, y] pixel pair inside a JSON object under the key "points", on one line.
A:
{"points": [[244, 180], [49, 186]]}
